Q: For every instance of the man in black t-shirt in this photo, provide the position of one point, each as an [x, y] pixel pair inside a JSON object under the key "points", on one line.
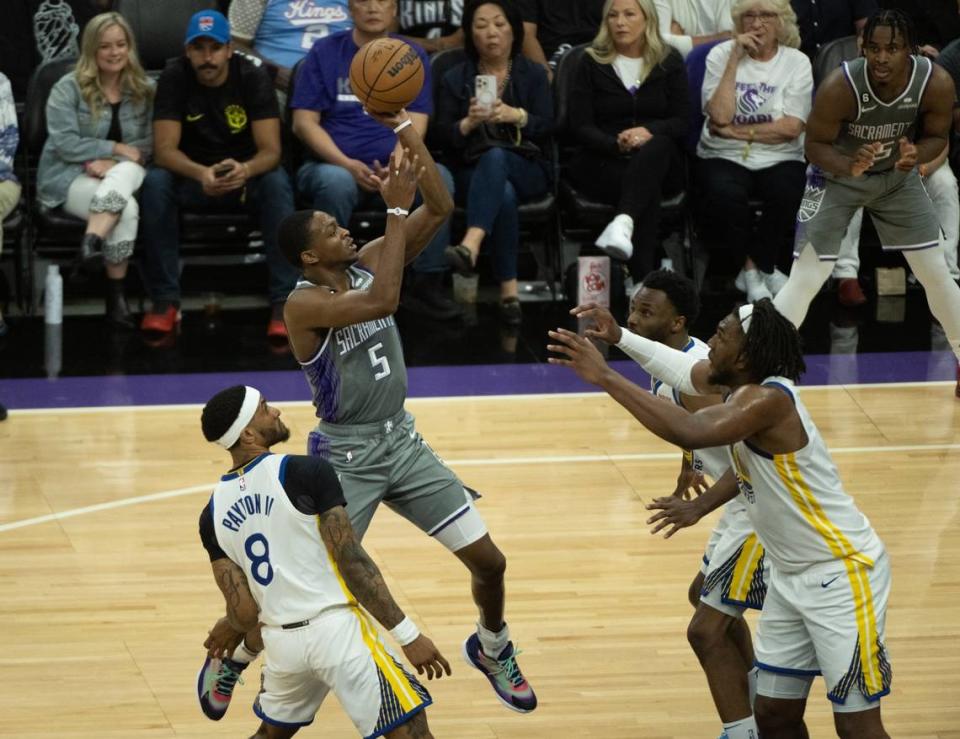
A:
{"points": [[216, 146], [432, 24], [822, 22], [553, 26]]}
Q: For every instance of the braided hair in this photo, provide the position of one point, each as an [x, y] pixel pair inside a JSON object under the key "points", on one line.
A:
{"points": [[772, 345], [897, 21]]}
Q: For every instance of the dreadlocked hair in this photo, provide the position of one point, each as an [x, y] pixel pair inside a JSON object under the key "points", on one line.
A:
{"points": [[679, 289], [772, 346], [897, 21]]}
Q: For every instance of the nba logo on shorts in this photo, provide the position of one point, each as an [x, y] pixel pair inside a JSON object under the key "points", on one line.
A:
{"points": [[812, 195], [205, 22]]}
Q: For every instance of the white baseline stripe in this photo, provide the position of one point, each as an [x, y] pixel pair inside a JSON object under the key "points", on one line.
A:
{"points": [[433, 399], [499, 461]]}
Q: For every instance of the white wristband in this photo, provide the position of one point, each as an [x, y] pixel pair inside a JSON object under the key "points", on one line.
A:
{"points": [[405, 632], [397, 212], [668, 365], [403, 125]]}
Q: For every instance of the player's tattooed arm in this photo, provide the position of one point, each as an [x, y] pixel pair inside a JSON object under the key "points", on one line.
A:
{"points": [[359, 572], [242, 611]]}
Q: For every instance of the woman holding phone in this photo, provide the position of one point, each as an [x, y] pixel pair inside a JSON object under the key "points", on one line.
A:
{"points": [[494, 113], [99, 136]]}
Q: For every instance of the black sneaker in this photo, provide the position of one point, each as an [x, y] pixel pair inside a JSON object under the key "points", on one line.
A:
{"points": [[426, 294]]}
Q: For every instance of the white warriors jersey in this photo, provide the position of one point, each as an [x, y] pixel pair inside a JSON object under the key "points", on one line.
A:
{"points": [[797, 504], [290, 573], [714, 461]]}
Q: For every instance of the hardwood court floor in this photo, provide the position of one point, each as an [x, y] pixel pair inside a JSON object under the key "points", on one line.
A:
{"points": [[102, 614]]}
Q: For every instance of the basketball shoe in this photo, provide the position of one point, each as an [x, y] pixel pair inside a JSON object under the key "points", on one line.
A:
{"points": [[215, 685], [504, 674]]}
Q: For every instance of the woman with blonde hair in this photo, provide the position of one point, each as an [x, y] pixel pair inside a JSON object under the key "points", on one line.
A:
{"points": [[630, 115], [99, 137], [756, 98]]}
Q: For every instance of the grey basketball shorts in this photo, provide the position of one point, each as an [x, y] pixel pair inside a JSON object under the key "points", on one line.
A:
{"points": [[902, 212], [390, 462]]}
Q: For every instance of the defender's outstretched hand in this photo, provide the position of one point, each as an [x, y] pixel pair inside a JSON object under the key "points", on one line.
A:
{"points": [[581, 355], [674, 512], [425, 656], [604, 327]]}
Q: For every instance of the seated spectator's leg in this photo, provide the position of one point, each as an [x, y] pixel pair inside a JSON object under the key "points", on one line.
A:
{"points": [[9, 197], [80, 195], [329, 188], [160, 224], [849, 292], [780, 188], [641, 193], [115, 204], [271, 198], [942, 188], [425, 291], [505, 241], [484, 198], [599, 177], [724, 214]]}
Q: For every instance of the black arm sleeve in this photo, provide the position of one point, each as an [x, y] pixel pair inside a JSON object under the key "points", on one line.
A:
{"points": [[312, 485], [208, 536]]}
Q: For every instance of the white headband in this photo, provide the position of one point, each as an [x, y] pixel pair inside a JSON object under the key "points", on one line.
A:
{"points": [[251, 401], [745, 314]]}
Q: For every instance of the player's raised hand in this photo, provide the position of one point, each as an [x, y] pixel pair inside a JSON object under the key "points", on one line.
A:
{"points": [[400, 187], [425, 656], [908, 155], [579, 354], [604, 327], [390, 120], [690, 483], [865, 157], [673, 512]]}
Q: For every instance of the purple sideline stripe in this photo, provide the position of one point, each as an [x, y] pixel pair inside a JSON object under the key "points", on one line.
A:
{"points": [[489, 379]]}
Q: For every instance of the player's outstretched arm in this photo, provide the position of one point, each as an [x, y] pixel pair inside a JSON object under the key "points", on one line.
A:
{"points": [[679, 514], [242, 610], [365, 582], [437, 205]]}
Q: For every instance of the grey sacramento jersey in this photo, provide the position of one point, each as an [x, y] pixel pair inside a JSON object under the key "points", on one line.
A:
{"points": [[880, 121], [358, 375]]}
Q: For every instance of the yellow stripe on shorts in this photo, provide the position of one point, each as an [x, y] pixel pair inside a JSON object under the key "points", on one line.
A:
{"points": [[402, 688], [855, 563], [750, 555]]}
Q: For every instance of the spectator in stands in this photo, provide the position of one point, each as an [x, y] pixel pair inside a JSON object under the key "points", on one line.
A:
{"points": [[936, 22], [281, 32], [9, 138], [98, 142], [346, 147], [432, 24], [685, 24], [217, 146], [756, 99], [551, 27], [500, 156], [629, 109], [820, 22]]}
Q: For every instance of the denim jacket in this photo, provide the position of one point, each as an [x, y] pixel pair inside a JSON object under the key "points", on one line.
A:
{"points": [[75, 137], [9, 133]]}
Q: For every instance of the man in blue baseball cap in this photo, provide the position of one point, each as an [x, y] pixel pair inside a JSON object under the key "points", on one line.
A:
{"points": [[216, 130]]}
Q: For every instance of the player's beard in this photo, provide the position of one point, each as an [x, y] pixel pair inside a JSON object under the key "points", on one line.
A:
{"points": [[280, 434]]}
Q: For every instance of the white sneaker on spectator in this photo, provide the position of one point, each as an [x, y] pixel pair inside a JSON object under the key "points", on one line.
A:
{"points": [[738, 281], [755, 284], [615, 241], [775, 281]]}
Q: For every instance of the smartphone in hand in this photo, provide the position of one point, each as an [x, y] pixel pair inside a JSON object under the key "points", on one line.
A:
{"points": [[485, 91]]}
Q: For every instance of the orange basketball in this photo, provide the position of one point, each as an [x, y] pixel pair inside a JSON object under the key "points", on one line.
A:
{"points": [[386, 74]]}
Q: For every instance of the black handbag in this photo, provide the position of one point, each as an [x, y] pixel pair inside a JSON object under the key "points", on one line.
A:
{"points": [[488, 136]]}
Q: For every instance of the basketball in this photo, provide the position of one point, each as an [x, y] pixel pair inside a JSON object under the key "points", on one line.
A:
{"points": [[386, 74]]}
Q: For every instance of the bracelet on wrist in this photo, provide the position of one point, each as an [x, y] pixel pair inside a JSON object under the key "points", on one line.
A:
{"points": [[403, 125], [398, 212], [405, 632]]}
